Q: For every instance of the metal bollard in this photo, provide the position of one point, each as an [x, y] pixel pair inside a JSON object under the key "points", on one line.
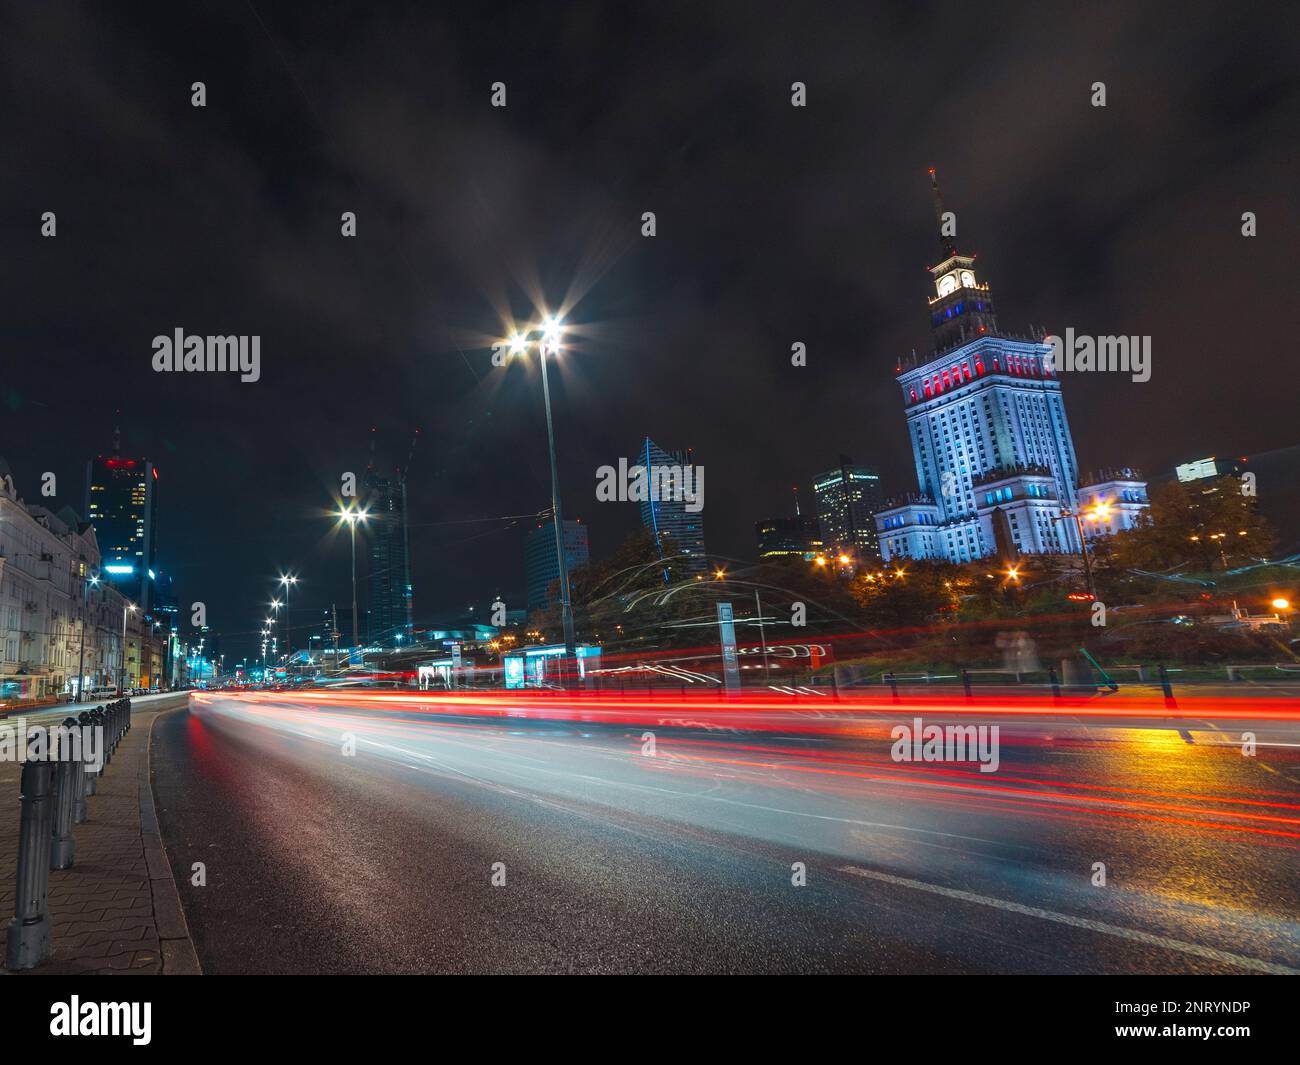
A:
{"points": [[1056, 684], [85, 720], [101, 722], [28, 939], [79, 790], [1164, 684], [62, 845], [965, 683], [893, 684]]}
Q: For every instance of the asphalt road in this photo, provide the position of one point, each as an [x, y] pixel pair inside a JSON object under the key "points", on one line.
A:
{"points": [[616, 860]]}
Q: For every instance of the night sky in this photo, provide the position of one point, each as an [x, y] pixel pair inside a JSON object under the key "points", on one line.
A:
{"points": [[775, 224]]}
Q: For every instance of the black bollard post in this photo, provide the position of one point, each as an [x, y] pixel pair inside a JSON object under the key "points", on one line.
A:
{"points": [[28, 939], [893, 684], [79, 788], [965, 683], [87, 723], [62, 846], [106, 748], [1165, 686], [1056, 684]]}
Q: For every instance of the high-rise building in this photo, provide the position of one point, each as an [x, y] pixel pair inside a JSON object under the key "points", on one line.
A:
{"points": [[540, 566], [676, 518], [995, 460], [797, 537], [847, 500], [391, 617], [122, 505], [1201, 469]]}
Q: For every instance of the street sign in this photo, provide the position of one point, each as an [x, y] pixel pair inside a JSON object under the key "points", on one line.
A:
{"points": [[727, 636]]}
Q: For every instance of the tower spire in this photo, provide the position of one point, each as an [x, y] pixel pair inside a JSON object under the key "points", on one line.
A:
{"points": [[117, 435], [944, 240]]}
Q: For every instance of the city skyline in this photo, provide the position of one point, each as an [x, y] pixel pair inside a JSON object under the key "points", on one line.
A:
{"points": [[561, 239]]}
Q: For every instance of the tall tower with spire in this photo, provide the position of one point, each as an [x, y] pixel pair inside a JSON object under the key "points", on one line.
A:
{"points": [[961, 308], [995, 461]]}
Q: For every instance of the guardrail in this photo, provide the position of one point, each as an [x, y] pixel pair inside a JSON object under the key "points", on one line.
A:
{"points": [[60, 769]]}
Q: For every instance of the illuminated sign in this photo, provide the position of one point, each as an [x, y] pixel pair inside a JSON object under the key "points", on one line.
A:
{"points": [[514, 671], [1195, 471], [119, 569]]}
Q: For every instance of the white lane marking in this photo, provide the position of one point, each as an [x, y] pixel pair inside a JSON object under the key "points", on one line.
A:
{"points": [[1133, 934]]}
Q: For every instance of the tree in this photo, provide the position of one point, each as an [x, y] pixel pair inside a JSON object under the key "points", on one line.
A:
{"points": [[1196, 528], [910, 596]]}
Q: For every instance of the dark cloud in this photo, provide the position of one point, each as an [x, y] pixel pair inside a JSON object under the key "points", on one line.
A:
{"points": [[775, 225]]}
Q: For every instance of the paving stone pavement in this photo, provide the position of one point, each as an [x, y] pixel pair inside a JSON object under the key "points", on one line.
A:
{"points": [[117, 909]]}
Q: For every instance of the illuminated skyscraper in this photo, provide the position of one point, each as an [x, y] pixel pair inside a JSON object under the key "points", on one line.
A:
{"points": [[995, 460], [391, 608], [121, 503], [847, 498], [540, 567], [676, 523]]}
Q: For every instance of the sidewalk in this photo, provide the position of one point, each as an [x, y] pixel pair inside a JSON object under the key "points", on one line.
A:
{"points": [[116, 909], [36, 714]]}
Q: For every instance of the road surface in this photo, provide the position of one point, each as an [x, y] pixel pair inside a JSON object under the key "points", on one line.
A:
{"points": [[617, 858]]}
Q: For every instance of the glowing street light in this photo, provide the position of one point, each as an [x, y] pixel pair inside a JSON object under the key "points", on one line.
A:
{"points": [[92, 582], [352, 515], [549, 344], [129, 608], [1099, 511], [1281, 603], [287, 581]]}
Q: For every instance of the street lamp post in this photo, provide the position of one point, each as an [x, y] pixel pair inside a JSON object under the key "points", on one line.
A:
{"points": [[121, 687], [352, 515], [1100, 512], [550, 344], [81, 664], [275, 605], [288, 582]]}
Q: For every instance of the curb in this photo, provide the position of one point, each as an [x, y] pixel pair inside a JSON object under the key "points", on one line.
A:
{"points": [[177, 946]]}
